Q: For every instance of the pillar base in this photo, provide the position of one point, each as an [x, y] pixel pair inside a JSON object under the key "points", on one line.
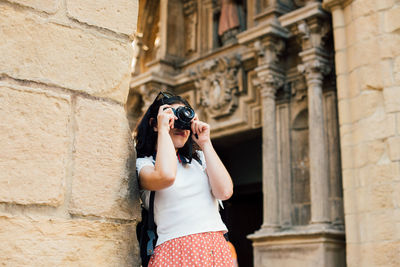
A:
{"points": [[299, 247]]}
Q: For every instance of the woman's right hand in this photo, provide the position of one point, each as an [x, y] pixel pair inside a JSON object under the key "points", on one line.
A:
{"points": [[165, 118]]}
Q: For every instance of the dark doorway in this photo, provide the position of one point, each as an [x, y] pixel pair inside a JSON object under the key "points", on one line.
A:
{"points": [[243, 213]]}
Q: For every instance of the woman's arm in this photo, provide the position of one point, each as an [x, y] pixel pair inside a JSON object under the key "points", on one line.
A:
{"points": [[220, 180], [163, 173]]}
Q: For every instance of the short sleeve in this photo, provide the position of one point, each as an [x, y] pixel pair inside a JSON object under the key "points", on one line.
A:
{"points": [[202, 158], [141, 162]]}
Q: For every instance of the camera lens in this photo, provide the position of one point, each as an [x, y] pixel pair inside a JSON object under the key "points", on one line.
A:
{"points": [[185, 116]]}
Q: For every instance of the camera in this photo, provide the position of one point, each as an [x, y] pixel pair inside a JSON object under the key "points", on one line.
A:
{"points": [[185, 116]]}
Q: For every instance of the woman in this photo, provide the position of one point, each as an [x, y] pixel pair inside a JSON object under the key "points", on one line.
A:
{"points": [[189, 227]]}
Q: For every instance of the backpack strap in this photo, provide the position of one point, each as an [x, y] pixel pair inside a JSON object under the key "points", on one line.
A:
{"points": [[151, 226]]}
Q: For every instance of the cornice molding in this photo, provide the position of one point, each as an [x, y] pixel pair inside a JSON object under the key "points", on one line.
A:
{"points": [[329, 5]]}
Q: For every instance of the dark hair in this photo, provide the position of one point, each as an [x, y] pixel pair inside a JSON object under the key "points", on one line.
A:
{"points": [[146, 137]]}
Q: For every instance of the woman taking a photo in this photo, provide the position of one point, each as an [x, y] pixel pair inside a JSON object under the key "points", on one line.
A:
{"points": [[176, 159]]}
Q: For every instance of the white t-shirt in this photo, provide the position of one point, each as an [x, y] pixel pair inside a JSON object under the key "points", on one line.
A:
{"points": [[186, 207]]}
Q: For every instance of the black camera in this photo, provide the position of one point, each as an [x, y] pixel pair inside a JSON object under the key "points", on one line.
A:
{"points": [[185, 116]]}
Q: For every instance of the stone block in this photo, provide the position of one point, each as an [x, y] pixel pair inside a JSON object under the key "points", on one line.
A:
{"points": [[382, 173], [342, 86], [344, 110], [347, 157], [340, 40], [384, 253], [381, 225], [341, 62], [63, 56], [379, 125], [103, 151], [376, 150], [354, 83], [384, 4], [48, 6], [350, 34], [338, 18], [348, 178], [350, 201], [374, 76], [365, 104], [353, 254], [360, 155], [363, 195], [348, 14], [34, 145], [363, 8], [392, 99], [391, 19], [346, 135], [60, 242], [117, 15], [381, 197], [396, 70], [366, 27], [398, 123], [394, 148], [352, 228], [389, 45]]}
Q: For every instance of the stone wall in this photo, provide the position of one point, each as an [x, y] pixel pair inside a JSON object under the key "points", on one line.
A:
{"points": [[66, 152], [367, 45]]}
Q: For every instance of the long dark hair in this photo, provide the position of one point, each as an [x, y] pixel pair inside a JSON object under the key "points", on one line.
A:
{"points": [[146, 137]]}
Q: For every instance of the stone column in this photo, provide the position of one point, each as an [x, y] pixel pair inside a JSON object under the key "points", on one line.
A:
{"points": [[269, 82], [315, 67]]}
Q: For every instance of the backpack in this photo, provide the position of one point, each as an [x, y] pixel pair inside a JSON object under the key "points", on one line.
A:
{"points": [[146, 232]]}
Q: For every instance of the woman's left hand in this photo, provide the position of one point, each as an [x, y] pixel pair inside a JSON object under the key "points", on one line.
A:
{"points": [[201, 132]]}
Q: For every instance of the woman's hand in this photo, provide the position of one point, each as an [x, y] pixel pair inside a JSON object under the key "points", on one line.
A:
{"points": [[201, 132], [165, 118]]}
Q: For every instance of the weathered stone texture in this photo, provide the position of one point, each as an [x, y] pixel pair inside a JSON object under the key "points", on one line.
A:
{"points": [[60, 242], [394, 148], [369, 126], [391, 19], [102, 150], [392, 99], [48, 6], [63, 56], [117, 15], [34, 145]]}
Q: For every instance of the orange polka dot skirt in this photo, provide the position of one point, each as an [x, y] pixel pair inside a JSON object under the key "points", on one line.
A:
{"points": [[204, 249]]}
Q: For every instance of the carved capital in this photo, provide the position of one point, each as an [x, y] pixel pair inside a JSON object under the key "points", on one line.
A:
{"points": [[269, 49], [217, 84], [268, 81], [314, 70], [312, 33]]}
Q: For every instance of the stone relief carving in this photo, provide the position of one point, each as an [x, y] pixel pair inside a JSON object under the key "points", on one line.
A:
{"points": [[217, 85]]}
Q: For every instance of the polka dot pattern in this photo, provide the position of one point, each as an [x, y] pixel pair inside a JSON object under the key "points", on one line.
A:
{"points": [[204, 249]]}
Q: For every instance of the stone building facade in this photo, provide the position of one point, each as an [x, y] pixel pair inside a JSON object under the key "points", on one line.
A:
{"points": [[303, 99], [65, 146]]}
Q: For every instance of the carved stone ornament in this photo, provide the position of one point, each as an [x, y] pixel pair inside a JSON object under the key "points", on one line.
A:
{"points": [[313, 33], [299, 89], [314, 70], [269, 50], [149, 92], [269, 83], [217, 86]]}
